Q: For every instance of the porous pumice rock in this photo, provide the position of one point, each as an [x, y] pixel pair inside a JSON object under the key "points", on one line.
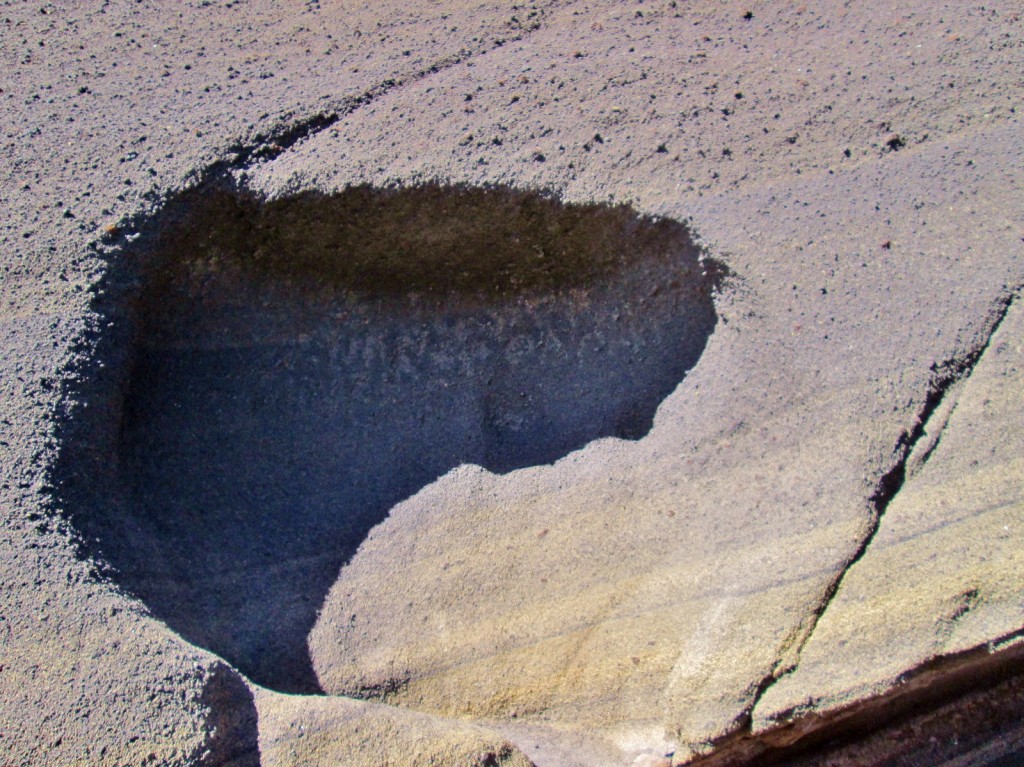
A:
{"points": [[856, 166]]}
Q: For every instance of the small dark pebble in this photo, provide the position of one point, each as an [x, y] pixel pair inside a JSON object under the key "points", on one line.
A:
{"points": [[895, 142]]}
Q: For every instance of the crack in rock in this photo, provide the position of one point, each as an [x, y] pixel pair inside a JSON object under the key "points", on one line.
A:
{"points": [[911, 452], [948, 375]]}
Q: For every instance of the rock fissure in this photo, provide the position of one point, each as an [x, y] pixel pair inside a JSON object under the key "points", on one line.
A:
{"points": [[265, 148], [742, 745], [948, 374], [919, 690]]}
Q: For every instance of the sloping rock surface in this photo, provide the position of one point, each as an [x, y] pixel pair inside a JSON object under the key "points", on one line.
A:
{"points": [[576, 384]]}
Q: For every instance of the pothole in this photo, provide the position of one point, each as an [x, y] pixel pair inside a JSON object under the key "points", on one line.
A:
{"points": [[270, 378]]}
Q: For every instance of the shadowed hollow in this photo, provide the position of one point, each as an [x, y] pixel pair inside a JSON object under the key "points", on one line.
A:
{"points": [[288, 371]]}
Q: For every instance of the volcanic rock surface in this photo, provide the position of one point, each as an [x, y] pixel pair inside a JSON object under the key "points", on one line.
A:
{"points": [[482, 383]]}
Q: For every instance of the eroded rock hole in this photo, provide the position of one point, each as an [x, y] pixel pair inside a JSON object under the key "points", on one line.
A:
{"points": [[274, 376]]}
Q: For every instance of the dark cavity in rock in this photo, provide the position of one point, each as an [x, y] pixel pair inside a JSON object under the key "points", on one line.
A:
{"points": [[267, 379]]}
